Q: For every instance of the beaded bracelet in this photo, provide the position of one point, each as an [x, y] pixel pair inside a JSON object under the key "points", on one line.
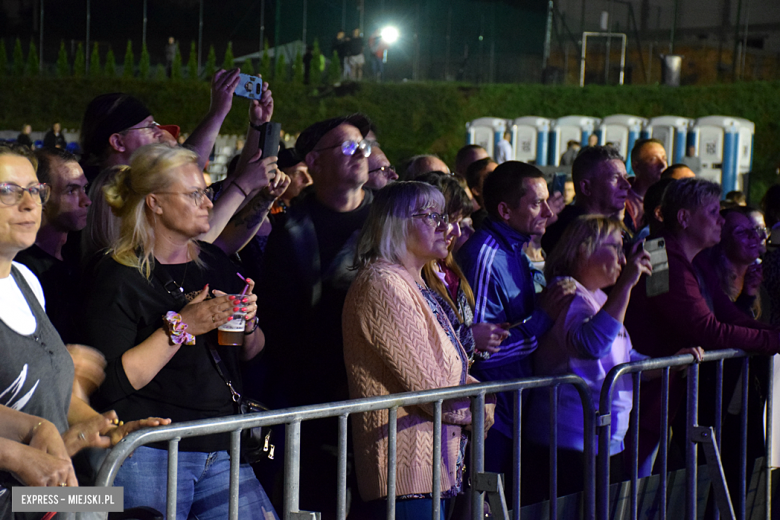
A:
{"points": [[256, 321], [177, 329]]}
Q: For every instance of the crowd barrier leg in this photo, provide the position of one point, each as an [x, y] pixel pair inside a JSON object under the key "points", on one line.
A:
{"points": [[705, 435], [517, 453], [173, 477], [392, 437], [477, 454], [436, 463], [341, 500], [235, 467]]}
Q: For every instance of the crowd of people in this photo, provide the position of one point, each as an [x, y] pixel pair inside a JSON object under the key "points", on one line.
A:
{"points": [[356, 279]]}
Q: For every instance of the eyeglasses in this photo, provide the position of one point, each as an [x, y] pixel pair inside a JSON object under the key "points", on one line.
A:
{"points": [[434, 219], [11, 194], [351, 147], [151, 126], [387, 171], [196, 196], [763, 232], [746, 233]]}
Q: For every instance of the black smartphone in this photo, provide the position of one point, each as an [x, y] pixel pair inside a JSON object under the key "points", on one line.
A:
{"points": [[559, 182], [250, 87], [269, 139], [658, 282]]}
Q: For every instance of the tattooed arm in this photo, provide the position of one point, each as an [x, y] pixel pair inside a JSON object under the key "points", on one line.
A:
{"points": [[245, 224]]}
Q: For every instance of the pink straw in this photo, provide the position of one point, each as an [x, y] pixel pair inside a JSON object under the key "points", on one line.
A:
{"points": [[246, 287]]}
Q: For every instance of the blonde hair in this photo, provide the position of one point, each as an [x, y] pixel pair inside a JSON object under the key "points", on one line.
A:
{"points": [[386, 229], [150, 171], [578, 242]]}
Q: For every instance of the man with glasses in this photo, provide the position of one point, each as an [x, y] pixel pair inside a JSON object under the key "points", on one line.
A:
{"points": [[306, 272], [54, 258], [380, 171], [515, 196]]}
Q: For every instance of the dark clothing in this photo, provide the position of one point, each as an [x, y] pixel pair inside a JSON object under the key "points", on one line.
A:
{"points": [[52, 140], [24, 139], [695, 312], [478, 218], [60, 282], [124, 308], [554, 232], [355, 46], [305, 277]]}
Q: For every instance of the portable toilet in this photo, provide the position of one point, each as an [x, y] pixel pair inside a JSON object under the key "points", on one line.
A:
{"points": [[570, 128], [530, 139], [486, 132], [725, 147], [622, 131], [672, 131]]}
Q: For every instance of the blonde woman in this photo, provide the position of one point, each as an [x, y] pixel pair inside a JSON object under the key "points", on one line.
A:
{"points": [[157, 278]]}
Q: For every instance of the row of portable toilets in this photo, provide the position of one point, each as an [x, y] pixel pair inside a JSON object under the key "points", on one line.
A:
{"points": [[723, 144]]}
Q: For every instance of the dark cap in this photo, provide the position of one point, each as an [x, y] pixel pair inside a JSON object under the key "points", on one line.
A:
{"points": [[287, 158], [106, 115], [309, 138]]}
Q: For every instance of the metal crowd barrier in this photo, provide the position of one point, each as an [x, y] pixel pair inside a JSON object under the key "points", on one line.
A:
{"points": [[292, 418], [695, 434]]}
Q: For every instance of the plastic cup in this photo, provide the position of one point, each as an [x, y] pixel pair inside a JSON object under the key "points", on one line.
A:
{"points": [[232, 332]]}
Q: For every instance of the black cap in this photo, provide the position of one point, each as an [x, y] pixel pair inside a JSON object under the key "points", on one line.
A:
{"points": [[287, 158], [312, 135], [106, 115]]}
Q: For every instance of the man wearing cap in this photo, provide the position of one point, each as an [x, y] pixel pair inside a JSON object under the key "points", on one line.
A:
{"points": [[306, 273]]}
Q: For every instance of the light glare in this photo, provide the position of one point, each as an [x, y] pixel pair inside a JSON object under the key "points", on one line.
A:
{"points": [[390, 34]]}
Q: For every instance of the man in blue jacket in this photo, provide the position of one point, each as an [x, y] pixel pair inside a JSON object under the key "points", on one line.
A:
{"points": [[515, 196]]}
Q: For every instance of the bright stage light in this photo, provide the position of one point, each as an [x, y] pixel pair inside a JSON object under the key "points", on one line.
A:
{"points": [[390, 34]]}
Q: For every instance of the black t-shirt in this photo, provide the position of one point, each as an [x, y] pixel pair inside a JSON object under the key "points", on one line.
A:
{"points": [[60, 282], [124, 308], [554, 233]]}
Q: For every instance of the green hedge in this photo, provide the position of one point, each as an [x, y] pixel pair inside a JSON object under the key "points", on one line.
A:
{"points": [[411, 117]]}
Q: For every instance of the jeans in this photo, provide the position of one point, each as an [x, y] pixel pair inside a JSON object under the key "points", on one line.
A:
{"points": [[410, 509], [203, 485]]}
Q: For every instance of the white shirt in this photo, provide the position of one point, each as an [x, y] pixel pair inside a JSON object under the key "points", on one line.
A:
{"points": [[14, 309]]}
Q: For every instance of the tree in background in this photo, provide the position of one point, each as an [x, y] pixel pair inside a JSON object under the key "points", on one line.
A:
{"points": [[63, 66], [229, 61], [248, 68], [33, 65], [298, 69], [129, 66], [144, 64], [79, 62], [317, 64], [110, 70], [211, 63], [94, 62], [265, 62], [280, 74], [161, 74], [176, 73], [192, 64], [18, 59], [3, 58], [334, 71]]}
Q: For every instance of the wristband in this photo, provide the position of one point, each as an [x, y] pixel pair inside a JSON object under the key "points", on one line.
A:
{"points": [[256, 321], [256, 127], [177, 329], [237, 185]]}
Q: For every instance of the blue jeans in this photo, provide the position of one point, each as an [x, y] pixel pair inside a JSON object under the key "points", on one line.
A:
{"points": [[203, 486], [410, 509]]}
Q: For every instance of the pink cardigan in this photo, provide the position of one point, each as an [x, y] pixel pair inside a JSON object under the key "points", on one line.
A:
{"points": [[393, 343]]}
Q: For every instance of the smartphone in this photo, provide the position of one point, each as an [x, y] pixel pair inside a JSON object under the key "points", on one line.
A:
{"points": [[559, 182], [269, 139], [658, 282], [250, 87]]}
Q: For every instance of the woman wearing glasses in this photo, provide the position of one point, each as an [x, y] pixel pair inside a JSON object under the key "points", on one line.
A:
{"points": [[397, 338], [36, 372], [153, 309]]}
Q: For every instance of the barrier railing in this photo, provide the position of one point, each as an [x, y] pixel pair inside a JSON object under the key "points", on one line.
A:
{"points": [[695, 434], [293, 417]]}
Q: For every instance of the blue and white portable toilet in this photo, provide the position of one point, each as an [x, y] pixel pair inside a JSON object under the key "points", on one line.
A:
{"points": [[672, 131], [622, 131], [570, 128], [725, 147], [530, 139], [486, 132]]}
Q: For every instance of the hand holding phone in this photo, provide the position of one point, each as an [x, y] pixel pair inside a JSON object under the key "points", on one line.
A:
{"points": [[250, 87], [658, 282]]}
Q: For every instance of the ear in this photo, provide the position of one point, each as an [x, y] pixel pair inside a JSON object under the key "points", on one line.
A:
{"points": [[683, 217], [153, 203], [310, 159], [658, 215], [117, 142], [585, 187], [504, 211]]}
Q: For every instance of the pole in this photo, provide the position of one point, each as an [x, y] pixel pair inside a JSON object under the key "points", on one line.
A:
{"points": [[362, 7], [744, 38], [344, 15], [303, 37], [86, 50], [143, 38], [200, 36], [277, 30], [448, 38], [40, 43], [547, 37], [262, 26], [674, 26], [609, 43], [734, 59]]}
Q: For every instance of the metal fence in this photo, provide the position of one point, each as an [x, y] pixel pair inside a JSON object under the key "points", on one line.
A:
{"points": [[593, 505], [292, 418]]}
